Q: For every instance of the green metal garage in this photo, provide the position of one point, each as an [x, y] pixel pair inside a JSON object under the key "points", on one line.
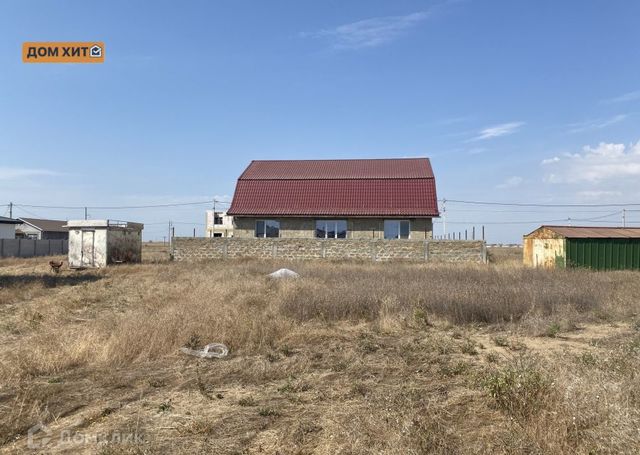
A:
{"points": [[599, 248]]}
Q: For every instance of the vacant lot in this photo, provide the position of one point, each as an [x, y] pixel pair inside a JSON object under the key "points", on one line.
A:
{"points": [[351, 358]]}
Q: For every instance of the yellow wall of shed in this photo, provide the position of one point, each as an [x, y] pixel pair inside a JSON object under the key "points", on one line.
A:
{"points": [[541, 252]]}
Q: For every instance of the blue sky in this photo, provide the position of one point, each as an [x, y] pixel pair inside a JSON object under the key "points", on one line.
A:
{"points": [[533, 101]]}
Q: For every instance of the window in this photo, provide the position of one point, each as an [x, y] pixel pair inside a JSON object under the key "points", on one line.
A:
{"points": [[331, 229], [267, 228], [217, 218], [396, 229]]}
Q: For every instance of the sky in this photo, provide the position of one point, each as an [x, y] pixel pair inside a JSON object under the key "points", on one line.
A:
{"points": [[534, 102]]}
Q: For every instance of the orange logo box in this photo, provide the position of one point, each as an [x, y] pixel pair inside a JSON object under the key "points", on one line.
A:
{"points": [[63, 52]]}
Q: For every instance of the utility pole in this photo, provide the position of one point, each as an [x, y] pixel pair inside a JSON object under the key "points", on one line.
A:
{"points": [[624, 217], [444, 216], [10, 209], [170, 236], [85, 213]]}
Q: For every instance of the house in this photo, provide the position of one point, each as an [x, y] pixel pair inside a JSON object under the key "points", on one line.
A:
{"points": [[602, 248], [34, 228], [8, 227], [336, 199], [98, 243], [219, 224]]}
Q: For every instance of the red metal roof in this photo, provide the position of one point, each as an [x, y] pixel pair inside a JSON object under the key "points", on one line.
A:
{"points": [[406, 168], [593, 232], [386, 187]]}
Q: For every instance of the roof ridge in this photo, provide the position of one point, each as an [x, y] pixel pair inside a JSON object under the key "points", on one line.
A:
{"points": [[344, 159]]}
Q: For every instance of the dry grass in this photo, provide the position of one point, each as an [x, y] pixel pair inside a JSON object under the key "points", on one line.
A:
{"points": [[352, 358]]}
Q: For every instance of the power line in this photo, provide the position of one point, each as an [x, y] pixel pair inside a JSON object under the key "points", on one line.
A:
{"points": [[526, 204], [31, 213], [123, 207], [597, 219]]}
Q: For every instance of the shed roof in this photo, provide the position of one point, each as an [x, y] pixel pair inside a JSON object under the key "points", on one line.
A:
{"points": [[116, 224], [379, 187], [46, 225], [5, 220], [600, 232]]}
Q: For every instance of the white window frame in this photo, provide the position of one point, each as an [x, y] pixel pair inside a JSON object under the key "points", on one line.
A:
{"points": [[264, 233], [335, 230], [398, 234]]}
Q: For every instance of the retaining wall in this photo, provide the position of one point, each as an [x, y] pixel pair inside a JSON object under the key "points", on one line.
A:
{"points": [[195, 249]]}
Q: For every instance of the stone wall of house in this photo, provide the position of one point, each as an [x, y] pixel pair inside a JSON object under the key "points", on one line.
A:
{"points": [[357, 228], [194, 249]]}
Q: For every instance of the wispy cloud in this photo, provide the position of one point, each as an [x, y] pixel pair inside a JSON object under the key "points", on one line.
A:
{"points": [[11, 173], [596, 124], [453, 120], [502, 129], [630, 96], [511, 182], [555, 159], [371, 32]]}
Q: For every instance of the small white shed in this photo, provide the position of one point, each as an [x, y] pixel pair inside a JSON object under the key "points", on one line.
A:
{"points": [[97, 243]]}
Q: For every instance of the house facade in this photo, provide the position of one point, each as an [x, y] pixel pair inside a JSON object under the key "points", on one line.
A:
{"points": [[8, 227], [39, 229], [219, 224], [393, 199]]}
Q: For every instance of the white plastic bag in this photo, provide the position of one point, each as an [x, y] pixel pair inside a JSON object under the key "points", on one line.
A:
{"points": [[210, 351]]}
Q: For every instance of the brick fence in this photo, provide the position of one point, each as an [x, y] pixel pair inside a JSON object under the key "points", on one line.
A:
{"points": [[198, 248]]}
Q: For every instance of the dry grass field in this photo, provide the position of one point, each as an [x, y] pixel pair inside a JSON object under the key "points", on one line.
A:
{"points": [[353, 358]]}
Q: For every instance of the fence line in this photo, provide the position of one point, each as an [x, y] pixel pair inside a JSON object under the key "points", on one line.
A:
{"points": [[26, 248]]}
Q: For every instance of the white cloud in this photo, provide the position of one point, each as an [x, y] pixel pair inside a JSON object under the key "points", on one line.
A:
{"points": [[11, 173], [630, 96], [502, 129], [594, 165], [370, 32], [596, 124], [511, 182]]}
